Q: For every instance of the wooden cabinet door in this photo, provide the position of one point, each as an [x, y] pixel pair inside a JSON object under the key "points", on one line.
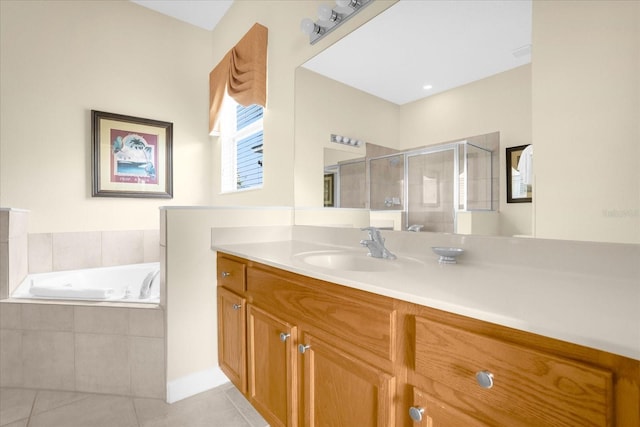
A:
{"points": [[272, 367], [232, 337], [430, 412], [342, 390]]}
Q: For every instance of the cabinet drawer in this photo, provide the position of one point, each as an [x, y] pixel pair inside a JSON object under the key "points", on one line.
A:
{"points": [[232, 275], [427, 411], [525, 386], [371, 326]]}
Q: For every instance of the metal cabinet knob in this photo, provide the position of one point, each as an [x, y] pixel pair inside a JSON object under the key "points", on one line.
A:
{"points": [[303, 348], [226, 274], [485, 379], [416, 412], [236, 306], [284, 336]]}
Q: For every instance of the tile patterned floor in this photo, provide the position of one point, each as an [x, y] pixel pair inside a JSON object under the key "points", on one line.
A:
{"points": [[223, 406]]}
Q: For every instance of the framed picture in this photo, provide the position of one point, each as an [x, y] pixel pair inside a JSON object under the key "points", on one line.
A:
{"points": [[329, 201], [519, 173], [130, 156]]}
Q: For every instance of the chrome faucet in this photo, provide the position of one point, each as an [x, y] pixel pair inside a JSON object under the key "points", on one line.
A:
{"points": [[375, 244], [145, 289], [415, 227]]}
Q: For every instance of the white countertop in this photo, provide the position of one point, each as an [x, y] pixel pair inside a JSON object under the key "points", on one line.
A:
{"points": [[579, 308]]}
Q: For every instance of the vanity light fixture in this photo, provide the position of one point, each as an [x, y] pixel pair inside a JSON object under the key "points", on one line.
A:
{"points": [[330, 18], [339, 139]]}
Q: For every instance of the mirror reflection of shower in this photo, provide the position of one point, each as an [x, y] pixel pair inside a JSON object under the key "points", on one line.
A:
{"points": [[436, 188]]}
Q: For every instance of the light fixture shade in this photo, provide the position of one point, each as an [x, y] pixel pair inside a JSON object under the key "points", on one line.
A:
{"points": [[343, 3], [307, 26], [325, 13]]}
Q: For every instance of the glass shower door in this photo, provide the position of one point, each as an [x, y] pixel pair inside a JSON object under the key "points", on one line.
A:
{"points": [[431, 190]]}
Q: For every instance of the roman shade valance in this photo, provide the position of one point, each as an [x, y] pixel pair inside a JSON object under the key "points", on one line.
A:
{"points": [[242, 73]]}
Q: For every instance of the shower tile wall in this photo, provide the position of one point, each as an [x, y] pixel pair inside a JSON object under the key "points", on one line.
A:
{"points": [[79, 348], [479, 194], [387, 178], [353, 191], [431, 191]]}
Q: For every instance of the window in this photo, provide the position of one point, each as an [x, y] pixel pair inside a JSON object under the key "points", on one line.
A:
{"points": [[242, 139]]}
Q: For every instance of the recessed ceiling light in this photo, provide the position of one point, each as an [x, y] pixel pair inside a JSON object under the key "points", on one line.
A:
{"points": [[427, 87]]}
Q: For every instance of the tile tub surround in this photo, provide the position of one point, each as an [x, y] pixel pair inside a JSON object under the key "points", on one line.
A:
{"points": [[79, 250], [13, 248], [223, 406], [580, 292], [84, 348]]}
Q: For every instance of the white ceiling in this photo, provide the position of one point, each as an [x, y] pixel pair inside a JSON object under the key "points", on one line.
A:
{"points": [[444, 43], [441, 43], [202, 13]]}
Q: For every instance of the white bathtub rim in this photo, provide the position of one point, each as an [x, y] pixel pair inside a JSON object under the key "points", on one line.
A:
{"points": [[21, 293]]}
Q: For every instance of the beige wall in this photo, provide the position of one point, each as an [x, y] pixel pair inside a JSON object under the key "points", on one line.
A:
{"points": [[288, 48], [501, 103], [191, 281], [586, 126], [323, 106], [61, 59]]}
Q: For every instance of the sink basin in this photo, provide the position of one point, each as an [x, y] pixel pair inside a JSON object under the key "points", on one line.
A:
{"points": [[355, 261]]}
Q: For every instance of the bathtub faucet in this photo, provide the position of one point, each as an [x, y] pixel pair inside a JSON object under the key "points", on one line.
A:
{"points": [[375, 244], [145, 289]]}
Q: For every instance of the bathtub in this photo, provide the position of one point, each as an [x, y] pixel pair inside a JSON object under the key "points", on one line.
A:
{"points": [[135, 283]]}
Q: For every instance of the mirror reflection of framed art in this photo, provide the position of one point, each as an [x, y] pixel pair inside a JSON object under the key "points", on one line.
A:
{"points": [[519, 174]]}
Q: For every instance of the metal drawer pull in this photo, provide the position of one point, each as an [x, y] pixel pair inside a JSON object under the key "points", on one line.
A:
{"points": [[485, 379], [303, 348], [416, 412], [226, 274], [236, 306], [284, 336]]}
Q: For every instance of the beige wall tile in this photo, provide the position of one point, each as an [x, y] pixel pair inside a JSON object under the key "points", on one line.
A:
{"points": [[18, 222], [73, 251], [122, 247], [47, 317], [4, 225], [151, 246], [10, 316], [4, 270], [147, 367], [40, 253], [146, 322], [18, 261], [101, 320], [48, 360], [102, 363], [10, 358]]}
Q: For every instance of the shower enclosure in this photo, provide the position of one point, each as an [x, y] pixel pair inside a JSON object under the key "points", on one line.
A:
{"points": [[432, 186]]}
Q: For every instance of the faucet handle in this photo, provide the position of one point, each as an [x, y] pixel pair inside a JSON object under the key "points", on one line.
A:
{"points": [[374, 234]]}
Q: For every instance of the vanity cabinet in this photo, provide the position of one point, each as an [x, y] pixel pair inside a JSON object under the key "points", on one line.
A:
{"points": [[232, 338], [311, 353], [341, 389], [272, 362], [501, 383]]}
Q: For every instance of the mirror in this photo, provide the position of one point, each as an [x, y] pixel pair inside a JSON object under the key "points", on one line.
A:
{"points": [[519, 173], [393, 122], [569, 122]]}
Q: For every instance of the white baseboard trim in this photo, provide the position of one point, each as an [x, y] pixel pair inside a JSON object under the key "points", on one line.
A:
{"points": [[195, 383]]}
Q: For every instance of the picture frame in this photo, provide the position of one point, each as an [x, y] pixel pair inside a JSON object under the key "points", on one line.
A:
{"points": [[517, 190], [131, 156], [329, 201]]}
